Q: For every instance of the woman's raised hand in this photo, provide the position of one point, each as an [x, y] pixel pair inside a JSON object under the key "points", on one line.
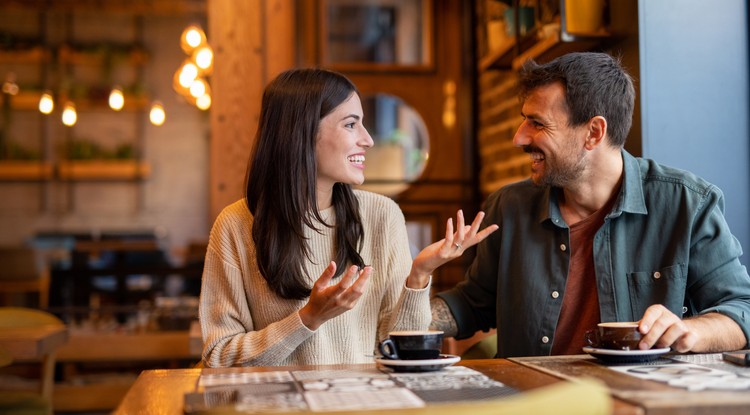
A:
{"points": [[327, 302], [452, 246]]}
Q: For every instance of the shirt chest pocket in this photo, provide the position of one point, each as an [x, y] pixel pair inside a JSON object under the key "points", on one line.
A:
{"points": [[664, 286]]}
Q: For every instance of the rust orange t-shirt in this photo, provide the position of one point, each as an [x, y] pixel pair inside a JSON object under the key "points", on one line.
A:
{"points": [[580, 307]]}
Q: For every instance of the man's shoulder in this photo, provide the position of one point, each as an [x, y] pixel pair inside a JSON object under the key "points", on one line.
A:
{"points": [[657, 175], [524, 190]]}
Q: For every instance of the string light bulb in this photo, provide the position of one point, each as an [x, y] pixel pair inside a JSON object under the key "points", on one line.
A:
{"points": [[157, 115], [192, 37], [188, 74], [198, 88], [204, 58], [69, 115], [203, 102], [46, 103], [116, 99]]}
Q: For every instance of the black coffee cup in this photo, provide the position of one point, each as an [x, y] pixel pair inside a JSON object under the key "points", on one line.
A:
{"points": [[412, 345], [621, 335]]}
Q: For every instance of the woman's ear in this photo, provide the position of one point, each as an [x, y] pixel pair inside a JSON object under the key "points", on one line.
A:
{"points": [[597, 131]]}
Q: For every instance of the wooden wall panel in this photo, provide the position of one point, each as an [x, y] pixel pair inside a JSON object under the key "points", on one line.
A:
{"points": [[253, 40]]}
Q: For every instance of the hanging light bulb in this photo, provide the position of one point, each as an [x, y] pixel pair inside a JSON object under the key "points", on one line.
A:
{"points": [[157, 114], [198, 88], [192, 37], [46, 103], [69, 116], [204, 58], [116, 99], [188, 73], [203, 102]]}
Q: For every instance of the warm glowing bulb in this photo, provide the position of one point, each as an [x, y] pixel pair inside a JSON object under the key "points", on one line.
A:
{"points": [[203, 102], [116, 99], [192, 37], [69, 116], [46, 103], [188, 74], [157, 114], [204, 57], [198, 88]]}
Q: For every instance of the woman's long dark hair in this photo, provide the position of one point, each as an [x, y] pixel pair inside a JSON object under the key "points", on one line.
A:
{"points": [[282, 175]]}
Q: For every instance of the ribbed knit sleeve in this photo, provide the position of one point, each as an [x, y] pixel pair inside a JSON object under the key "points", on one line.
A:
{"points": [[230, 334]]}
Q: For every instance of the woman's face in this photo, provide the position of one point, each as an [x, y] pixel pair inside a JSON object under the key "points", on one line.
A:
{"points": [[342, 142]]}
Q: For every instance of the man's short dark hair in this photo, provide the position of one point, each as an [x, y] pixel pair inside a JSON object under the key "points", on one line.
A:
{"points": [[595, 84]]}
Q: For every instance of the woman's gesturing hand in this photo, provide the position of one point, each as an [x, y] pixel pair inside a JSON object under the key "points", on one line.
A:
{"points": [[452, 246], [327, 302]]}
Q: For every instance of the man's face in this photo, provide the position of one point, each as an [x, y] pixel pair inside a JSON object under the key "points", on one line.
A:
{"points": [[558, 156]]}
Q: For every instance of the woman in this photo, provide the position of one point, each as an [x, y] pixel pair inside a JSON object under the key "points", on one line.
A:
{"points": [[262, 302]]}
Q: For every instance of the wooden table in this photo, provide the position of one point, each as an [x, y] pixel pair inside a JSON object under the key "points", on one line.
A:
{"points": [[654, 397], [32, 343], [162, 391]]}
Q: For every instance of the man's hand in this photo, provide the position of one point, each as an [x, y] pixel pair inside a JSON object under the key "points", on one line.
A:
{"points": [[707, 333], [327, 302]]}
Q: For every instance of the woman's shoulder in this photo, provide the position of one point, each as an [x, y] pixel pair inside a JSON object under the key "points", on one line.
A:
{"points": [[233, 217], [234, 211]]}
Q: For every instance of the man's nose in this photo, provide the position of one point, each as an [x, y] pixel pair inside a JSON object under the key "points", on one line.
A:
{"points": [[521, 138]]}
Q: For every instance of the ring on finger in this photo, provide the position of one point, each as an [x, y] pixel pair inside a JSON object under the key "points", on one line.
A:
{"points": [[457, 245]]}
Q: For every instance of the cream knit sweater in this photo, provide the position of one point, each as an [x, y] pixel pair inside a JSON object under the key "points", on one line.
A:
{"points": [[244, 323]]}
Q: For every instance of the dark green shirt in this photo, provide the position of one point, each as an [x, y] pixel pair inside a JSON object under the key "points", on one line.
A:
{"points": [[665, 241]]}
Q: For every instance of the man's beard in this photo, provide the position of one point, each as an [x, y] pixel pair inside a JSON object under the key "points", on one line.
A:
{"points": [[558, 174]]}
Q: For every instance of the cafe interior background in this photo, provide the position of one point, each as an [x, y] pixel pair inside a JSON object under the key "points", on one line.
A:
{"points": [[121, 140]]}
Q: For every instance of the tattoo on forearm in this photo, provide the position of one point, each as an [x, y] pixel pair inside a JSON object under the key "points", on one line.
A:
{"points": [[442, 318]]}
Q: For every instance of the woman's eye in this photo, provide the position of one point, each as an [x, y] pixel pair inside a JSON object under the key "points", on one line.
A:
{"points": [[350, 125]]}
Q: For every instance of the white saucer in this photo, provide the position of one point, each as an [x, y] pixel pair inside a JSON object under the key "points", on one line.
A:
{"points": [[426, 365], [626, 356]]}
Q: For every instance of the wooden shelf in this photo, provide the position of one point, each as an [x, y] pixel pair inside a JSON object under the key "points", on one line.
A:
{"points": [[20, 170], [33, 55], [553, 46], [70, 55], [501, 57], [103, 170], [25, 100], [557, 43]]}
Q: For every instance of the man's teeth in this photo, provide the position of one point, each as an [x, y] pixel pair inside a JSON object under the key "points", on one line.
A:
{"points": [[537, 156], [356, 159]]}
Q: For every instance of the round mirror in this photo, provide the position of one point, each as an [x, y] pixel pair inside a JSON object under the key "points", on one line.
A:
{"points": [[401, 145]]}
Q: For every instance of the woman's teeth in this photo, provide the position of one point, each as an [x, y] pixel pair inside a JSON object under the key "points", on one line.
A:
{"points": [[356, 159]]}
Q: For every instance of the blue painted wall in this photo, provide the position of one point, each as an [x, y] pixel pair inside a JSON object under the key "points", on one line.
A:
{"points": [[695, 95]]}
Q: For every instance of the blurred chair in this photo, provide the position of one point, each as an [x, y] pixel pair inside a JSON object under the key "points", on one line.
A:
{"points": [[23, 272], [483, 349], [18, 393]]}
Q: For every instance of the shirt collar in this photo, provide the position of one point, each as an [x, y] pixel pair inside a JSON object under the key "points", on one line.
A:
{"points": [[630, 199]]}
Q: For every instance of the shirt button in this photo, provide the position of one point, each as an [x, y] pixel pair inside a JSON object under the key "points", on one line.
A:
{"points": [[657, 275], [545, 339], [563, 247], [555, 294]]}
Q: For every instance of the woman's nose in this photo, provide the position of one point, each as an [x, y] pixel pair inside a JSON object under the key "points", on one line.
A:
{"points": [[365, 139]]}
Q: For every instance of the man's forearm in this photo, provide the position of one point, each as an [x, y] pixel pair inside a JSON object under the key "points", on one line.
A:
{"points": [[716, 332], [442, 318]]}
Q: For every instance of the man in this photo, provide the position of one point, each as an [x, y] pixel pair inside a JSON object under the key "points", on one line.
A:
{"points": [[597, 234]]}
